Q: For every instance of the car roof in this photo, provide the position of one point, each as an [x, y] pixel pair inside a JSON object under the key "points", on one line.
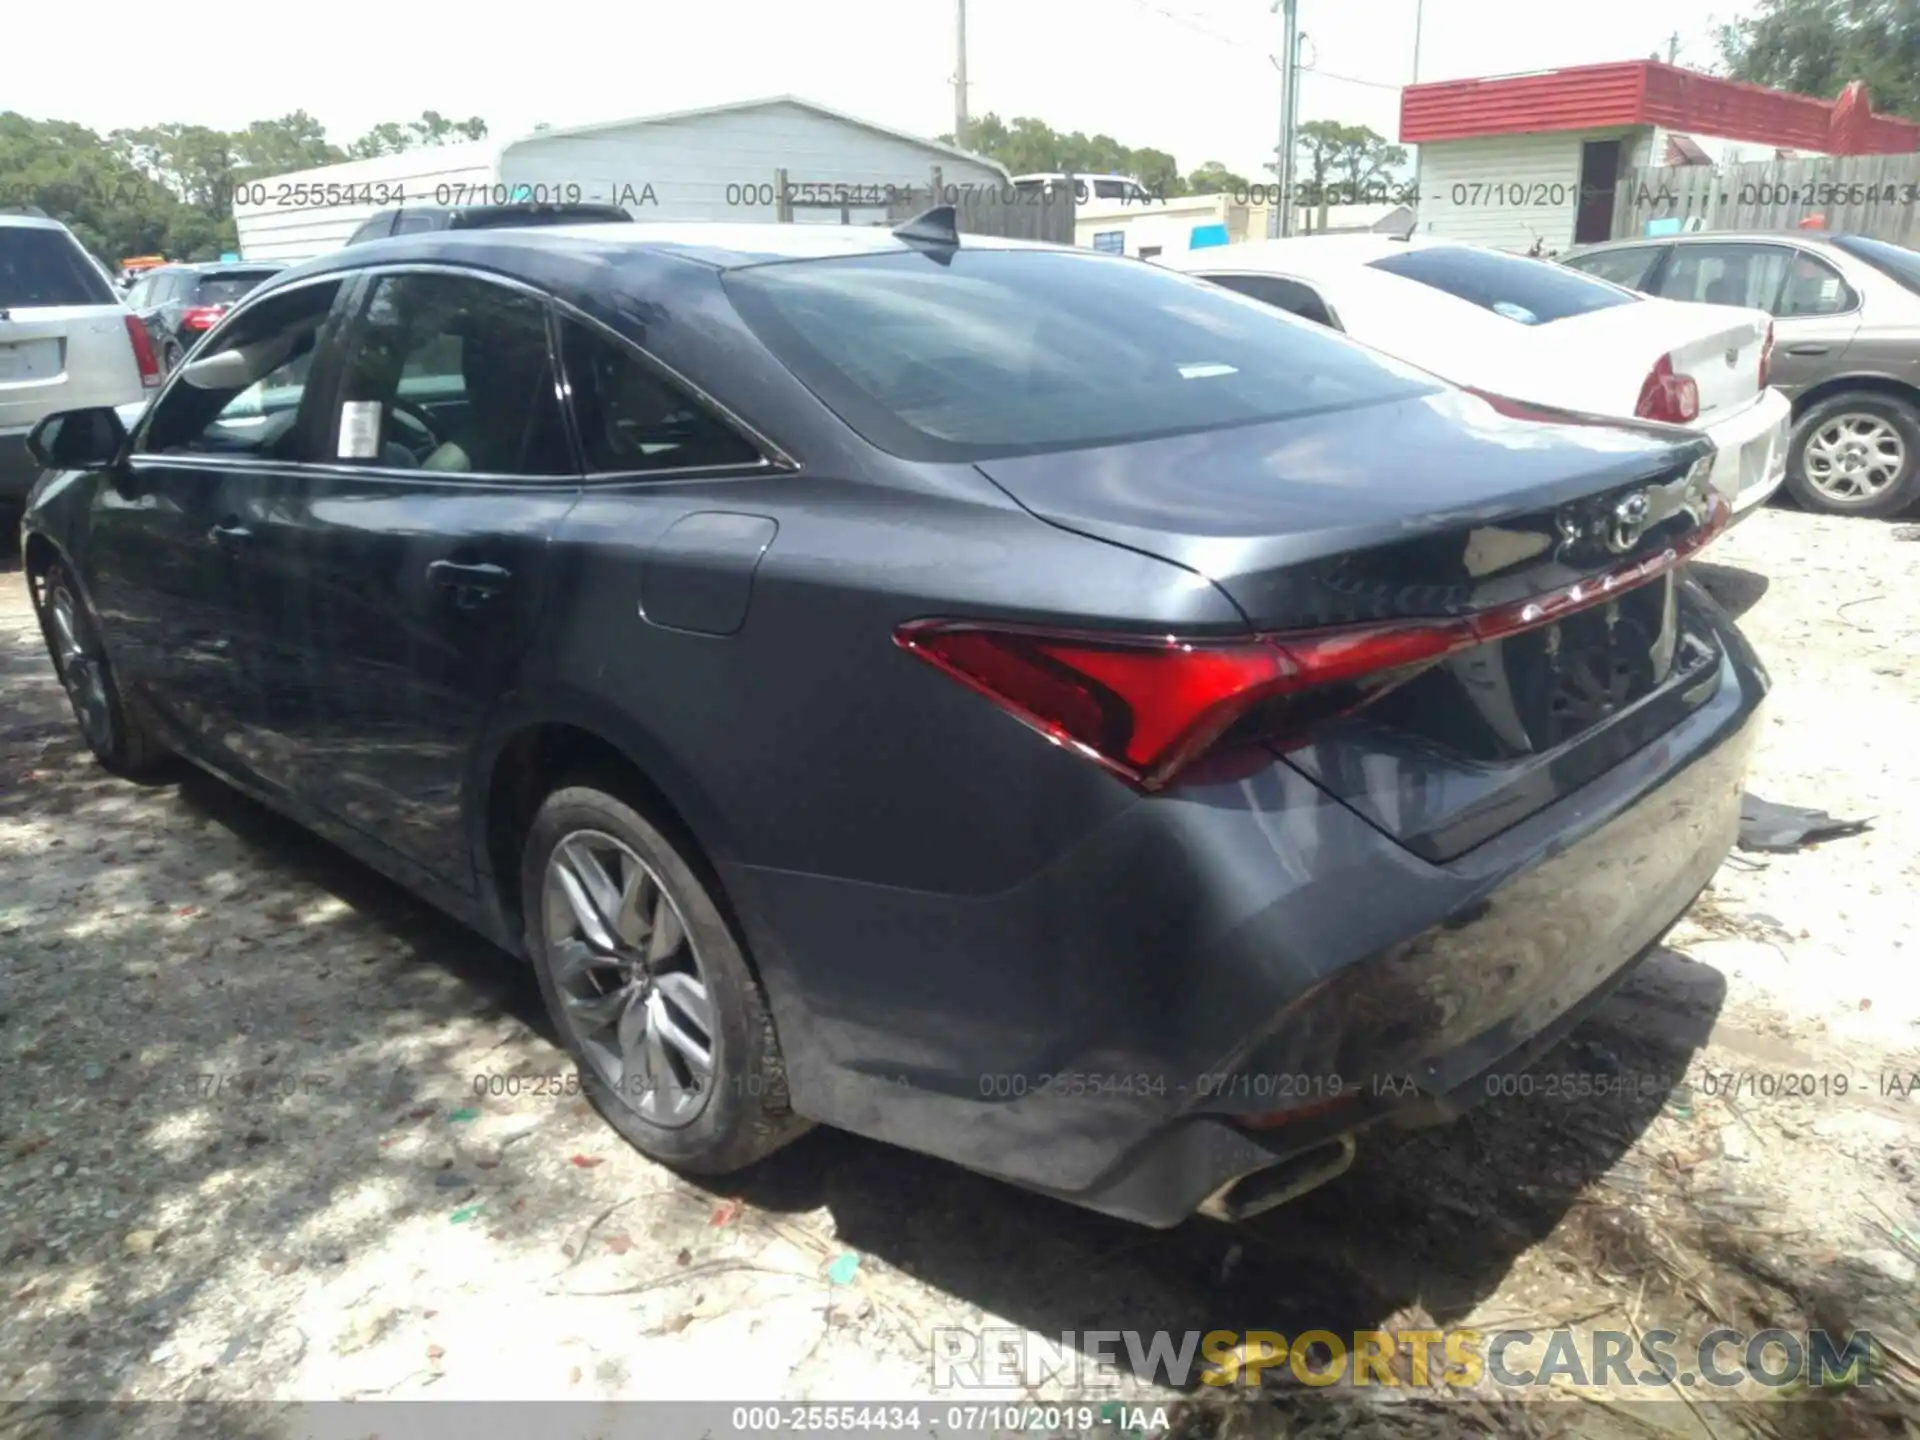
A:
{"points": [[31, 222], [1816, 239], [1306, 254], [720, 245]]}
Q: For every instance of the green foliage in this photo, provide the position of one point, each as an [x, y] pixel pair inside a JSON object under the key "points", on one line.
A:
{"points": [[1815, 47], [168, 189], [1342, 156]]}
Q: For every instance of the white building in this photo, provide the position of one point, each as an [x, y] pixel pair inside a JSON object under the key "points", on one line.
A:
{"points": [[1511, 160], [720, 163]]}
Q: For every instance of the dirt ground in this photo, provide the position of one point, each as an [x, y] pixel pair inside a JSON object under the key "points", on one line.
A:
{"points": [[242, 1154]]}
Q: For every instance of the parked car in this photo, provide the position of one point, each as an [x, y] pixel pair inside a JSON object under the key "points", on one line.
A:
{"points": [[1020, 704], [1095, 190], [1847, 319], [66, 341], [178, 303], [418, 219], [1529, 329]]}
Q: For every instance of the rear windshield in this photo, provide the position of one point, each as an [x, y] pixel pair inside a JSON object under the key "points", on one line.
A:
{"points": [[1894, 261], [509, 216], [47, 267], [226, 288], [1530, 292], [1006, 352]]}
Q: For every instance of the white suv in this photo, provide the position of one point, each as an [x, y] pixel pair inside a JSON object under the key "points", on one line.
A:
{"points": [[66, 340]]}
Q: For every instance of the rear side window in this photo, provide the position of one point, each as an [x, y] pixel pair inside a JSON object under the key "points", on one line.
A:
{"points": [[226, 288], [1894, 261], [412, 222], [41, 267], [632, 419], [1005, 352], [1288, 295], [1529, 292]]}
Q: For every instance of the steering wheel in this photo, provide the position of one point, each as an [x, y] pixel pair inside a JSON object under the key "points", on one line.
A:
{"points": [[416, 420]]}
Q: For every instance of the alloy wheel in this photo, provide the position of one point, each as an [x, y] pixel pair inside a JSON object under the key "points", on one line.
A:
{"points": [[82, 671], [1855, 456], [632, 989]]}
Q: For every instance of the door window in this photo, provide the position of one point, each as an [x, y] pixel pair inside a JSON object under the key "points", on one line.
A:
{"points": [[243, 396], [632, 419], [1750, 275], [1813, 288], [1623, 267], [1288, 295], [450, 373]]}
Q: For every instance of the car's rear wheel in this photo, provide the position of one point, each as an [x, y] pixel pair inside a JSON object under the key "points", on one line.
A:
{"points": [[649, 988], [1856, 453], [170, 357], [116, 736]]}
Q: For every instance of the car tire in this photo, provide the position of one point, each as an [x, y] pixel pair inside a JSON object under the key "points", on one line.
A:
{"points": [[1856, 453], [108, 723], [664, 972], [170, 357]]}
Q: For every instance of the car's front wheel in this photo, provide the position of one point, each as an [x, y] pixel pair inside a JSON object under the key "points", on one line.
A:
{"points": [[1856, 453], [649, 989], [116, 736]]}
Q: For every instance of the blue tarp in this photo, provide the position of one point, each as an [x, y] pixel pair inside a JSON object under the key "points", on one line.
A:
{"points": [[1206, 236]]}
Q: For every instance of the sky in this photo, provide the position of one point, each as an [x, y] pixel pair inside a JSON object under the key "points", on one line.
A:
{"points": [[1194, 77]]}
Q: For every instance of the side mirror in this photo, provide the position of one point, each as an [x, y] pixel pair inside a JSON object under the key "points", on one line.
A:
{"points": [[89, 439]]}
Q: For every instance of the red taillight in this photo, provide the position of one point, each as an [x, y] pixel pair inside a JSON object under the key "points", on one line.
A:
{"points": [[143, 355], [201, 317], [1666, 396], [1766, 357], [1147, 707]]}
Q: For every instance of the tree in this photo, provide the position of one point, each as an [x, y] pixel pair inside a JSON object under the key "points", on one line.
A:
{"points": [[168, 189], [1816, 47], [432, 128], [1213, 178], [1029, 146]]}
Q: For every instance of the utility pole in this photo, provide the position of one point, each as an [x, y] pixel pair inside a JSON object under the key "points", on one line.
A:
{"points": [[1419, 151], [1673, 48], [960, 74], [1281, 222]]}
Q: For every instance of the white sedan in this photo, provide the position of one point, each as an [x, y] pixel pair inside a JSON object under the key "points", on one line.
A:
{"points": [[1534, 331]]}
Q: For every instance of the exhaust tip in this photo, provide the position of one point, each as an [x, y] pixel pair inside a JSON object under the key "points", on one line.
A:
{"points": [[1261, 1190]]}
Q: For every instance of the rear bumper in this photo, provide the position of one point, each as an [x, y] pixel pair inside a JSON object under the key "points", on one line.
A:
{"points": [[1100, 1032], [1751, 443], [18, 469]]}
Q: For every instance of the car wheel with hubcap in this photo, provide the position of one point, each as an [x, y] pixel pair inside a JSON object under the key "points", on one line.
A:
{"points": [[118, 740], [648, 987], [1856, 454]]}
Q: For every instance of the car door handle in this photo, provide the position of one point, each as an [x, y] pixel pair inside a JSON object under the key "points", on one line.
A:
{"points": [[454, 575], [1808, 349], [229, 534]]}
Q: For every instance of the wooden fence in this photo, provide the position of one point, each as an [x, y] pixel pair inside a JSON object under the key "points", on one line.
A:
{"points": [[1876, 195], [994, 209]]}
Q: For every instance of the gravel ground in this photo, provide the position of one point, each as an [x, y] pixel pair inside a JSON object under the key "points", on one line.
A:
{"points": [[242, 1155]]}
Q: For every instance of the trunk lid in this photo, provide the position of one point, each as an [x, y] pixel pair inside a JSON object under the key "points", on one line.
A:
{"points": [[1445, 505], [1718, 345]]}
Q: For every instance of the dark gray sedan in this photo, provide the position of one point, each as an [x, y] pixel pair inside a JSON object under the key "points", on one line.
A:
{"points": [[1017, 703], [1846, 346]]}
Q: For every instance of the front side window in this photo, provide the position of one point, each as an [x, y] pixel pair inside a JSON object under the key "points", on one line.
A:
{"points": [[632, 419], [450, 373], [982, 353], [1629, 268], [242, 397], [1526, 291]]}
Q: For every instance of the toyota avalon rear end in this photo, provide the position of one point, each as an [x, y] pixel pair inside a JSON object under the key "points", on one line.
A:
{"points": [[1441, 740]]}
